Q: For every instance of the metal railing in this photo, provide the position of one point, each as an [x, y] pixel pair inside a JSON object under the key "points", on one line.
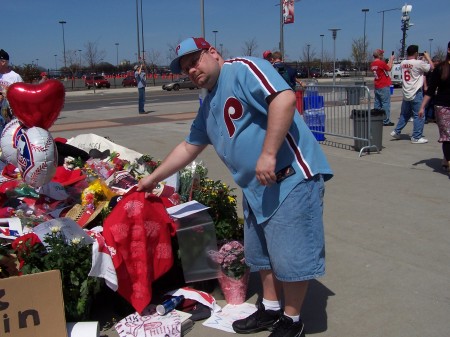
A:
{"points": [[339, 116]]}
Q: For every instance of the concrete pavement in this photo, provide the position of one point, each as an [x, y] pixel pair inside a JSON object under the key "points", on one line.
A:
{"points": [[386, 224]]}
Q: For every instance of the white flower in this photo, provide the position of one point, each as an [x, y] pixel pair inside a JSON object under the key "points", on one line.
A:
{"points": [[76, 241], [55, 229]]}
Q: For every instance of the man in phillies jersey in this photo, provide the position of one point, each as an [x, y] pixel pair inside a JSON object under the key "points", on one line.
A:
{"points": [[249, 118], [412, 83], [382, 83]]}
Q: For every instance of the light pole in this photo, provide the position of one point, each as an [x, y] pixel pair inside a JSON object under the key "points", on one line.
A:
{"points": [[431, 40], [202, 17], [321, 58], [382, 24], [406, 9], [334, 34], [142, 34], [308, 45], [56, 63], [282, 26], [117, 54], [137, 30], [62, 22], [215, 35], [365, 10]]}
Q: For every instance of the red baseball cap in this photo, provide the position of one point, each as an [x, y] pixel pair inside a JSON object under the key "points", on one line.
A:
{"points": [[378, 52], [267, 54]]}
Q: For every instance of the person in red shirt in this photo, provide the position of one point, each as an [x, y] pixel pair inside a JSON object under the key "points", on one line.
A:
{"points": [[382, 84]]}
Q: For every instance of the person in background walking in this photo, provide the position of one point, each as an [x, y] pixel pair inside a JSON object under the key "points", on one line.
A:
{"points": [[382, 83], [288, 73], [141, 79], [440, 81], [413, 71], [429, 109]]}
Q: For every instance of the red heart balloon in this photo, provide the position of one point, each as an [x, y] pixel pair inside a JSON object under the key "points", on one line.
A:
{"points": [[36, 104]]}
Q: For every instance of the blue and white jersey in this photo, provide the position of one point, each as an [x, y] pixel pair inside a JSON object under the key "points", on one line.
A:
{"points": [[233, 118]]}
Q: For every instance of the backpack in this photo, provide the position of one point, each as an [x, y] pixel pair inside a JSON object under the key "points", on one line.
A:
{"points": [[283, 71]]}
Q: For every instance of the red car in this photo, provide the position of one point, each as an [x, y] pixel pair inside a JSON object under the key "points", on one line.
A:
{"points": [[97, 80], [129, 81]]}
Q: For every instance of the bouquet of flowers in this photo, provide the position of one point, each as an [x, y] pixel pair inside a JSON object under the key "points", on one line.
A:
{"points": [[72, 257], [231, 260]]}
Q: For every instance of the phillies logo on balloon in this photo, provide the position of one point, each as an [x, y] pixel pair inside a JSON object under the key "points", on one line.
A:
{"points": [[25, 159], [36, 156], [8, 141]]}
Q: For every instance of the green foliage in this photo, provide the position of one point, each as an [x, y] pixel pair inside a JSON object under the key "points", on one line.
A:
{"points": [[222, 202], [73, 259], [195, 185]]}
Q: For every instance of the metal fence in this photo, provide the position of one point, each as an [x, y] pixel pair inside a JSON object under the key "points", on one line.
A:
{"points": [[341, 116]]}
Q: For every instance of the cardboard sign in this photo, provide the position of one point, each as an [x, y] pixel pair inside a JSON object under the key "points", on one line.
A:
{"points": [[32, 306]]}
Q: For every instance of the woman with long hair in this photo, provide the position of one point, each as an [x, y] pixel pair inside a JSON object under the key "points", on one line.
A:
{"points": [[439, 88]]}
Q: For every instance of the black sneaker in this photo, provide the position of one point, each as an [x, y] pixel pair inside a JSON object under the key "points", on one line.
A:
{"points": [[389, 124], [260, 320], [285, 327]]}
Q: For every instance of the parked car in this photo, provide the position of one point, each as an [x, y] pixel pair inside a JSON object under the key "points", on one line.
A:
{"points": [[314, 73], [302, 73], [338, 72], [129, 81], [97, 80], [182, 83]]}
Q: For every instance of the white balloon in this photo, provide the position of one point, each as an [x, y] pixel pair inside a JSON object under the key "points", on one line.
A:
{"points": [[37, 156], [8, 140]]}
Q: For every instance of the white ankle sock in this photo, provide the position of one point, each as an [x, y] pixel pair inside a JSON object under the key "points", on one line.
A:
{"points": [[271, 305], [294, 318]]}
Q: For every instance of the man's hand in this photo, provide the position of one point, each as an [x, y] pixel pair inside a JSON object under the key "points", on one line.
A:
{"points": [[146, 184], [265, 170], [421, 113]]}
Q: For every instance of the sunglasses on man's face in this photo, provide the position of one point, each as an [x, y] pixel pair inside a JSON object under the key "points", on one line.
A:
{"points": [[193, 63]]}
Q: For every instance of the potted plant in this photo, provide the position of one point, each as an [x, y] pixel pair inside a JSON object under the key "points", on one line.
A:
{"points": [[234, 273]]}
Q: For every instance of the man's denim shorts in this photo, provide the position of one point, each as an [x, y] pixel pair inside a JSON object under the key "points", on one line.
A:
{"points": [[291, 242]]}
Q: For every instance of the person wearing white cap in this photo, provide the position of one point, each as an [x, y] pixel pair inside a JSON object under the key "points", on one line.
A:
{"points": [[249, 117]]}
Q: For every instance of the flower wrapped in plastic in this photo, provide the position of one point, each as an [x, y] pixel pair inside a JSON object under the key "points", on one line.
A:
{"points": [[190, 178], [230, 257], [96, 192]]}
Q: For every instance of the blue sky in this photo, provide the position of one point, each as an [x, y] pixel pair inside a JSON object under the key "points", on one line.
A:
{"points": [[31, 29]]}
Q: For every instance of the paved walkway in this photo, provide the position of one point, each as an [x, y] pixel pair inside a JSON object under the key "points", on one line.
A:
{"points": [[386, 224]]}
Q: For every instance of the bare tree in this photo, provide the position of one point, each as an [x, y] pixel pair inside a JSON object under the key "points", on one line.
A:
{"points": [[153, 57], [440, 52], [92, 55], [73, 61], [250, 47], [358, 51], [308, 53]]}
